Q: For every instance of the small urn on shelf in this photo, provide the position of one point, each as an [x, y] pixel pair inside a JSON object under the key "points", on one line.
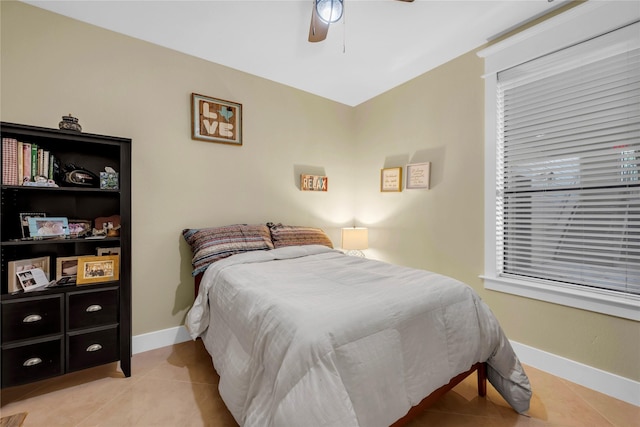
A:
{"points": [[70, 123]]}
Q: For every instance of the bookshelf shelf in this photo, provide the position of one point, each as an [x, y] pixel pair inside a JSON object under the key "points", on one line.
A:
{"points": [[60, 189]]}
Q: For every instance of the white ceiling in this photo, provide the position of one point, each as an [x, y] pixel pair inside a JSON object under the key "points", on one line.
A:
{"points": [[378, 45]]}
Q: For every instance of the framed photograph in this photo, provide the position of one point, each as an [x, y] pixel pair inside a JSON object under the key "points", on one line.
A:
{"points": [[108, 251], [48, 227], [216, 120], [391, 179], [79, 227], [18, 266], [98, 269], [24, 221], [67, 269], [418, 175]]}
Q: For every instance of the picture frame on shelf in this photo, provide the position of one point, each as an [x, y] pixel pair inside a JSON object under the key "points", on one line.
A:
{"points": [[67, 269], [48, 227], [98, 269], [79, 228], [216, 120], [418, 176], [391, 179], [18, 266], [24, 221], [108, 251]]}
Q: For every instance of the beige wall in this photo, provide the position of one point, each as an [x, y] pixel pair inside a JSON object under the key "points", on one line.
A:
{"points": [[439, 117], [116, 85]]}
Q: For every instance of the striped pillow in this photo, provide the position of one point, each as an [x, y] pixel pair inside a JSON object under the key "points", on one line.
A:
{"points": [[291, 235], [212, 244]]}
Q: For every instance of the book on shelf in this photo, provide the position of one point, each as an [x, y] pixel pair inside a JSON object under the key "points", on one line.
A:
{"points": [[20, 162], [40, 160], [23, 161], [9, 161], [52, 160], [26, 162], [45, 163], [34, 161]]}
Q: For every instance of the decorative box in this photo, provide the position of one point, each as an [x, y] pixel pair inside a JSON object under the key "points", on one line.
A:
{"points": [[70, 123], [109, 180]]}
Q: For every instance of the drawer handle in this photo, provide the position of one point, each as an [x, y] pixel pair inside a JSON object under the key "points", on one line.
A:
{"points": [[32, 318], [94, 347], [94, 307], [32, 362]]}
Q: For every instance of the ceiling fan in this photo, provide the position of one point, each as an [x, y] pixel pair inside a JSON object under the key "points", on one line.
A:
{"points": [[324, 13]]}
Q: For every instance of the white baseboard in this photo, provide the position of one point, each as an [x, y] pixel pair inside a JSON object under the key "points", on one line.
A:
{"points": [[157, 339], [604, 382]]}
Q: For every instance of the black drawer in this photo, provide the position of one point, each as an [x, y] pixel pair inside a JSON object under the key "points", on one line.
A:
{"points": [[92, 308], [33, 362], [92, 348], [35, 317]]}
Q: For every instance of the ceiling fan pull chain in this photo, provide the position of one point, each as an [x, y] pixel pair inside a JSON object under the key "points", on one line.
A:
{"points": [[344, 31]]}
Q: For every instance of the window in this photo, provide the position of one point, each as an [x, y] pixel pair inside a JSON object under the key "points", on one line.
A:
{"points": [[564, 188]]}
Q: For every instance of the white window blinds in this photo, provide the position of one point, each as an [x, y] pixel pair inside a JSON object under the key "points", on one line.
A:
{"points": [[568, 165]]}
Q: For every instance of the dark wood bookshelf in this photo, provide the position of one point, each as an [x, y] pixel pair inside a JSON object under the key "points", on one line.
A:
{"points": [[50, 332]]}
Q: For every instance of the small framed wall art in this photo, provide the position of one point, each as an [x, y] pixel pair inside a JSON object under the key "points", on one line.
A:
{"points": [[418, 175], [216, 120], [314, 183], [391, 179]]}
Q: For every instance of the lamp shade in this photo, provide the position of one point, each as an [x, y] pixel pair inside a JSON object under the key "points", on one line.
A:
{"points": [[355, 238]]}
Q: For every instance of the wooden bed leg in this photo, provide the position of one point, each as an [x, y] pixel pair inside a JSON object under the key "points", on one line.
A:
{"points": [[482, 379]]}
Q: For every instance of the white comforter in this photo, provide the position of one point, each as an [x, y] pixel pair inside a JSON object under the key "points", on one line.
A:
{"points": [[307, 336]]}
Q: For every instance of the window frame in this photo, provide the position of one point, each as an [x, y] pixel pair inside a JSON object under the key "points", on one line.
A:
{"points": [[576, 25]]}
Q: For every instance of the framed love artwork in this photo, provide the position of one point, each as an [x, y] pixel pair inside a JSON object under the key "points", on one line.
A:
{"points": [[216, 120]]}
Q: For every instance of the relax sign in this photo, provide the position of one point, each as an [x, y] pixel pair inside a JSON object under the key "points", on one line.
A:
{"points": [[314, 183]]}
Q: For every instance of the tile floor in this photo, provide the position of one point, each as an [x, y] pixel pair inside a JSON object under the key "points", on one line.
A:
{"points": [[177, 386]]}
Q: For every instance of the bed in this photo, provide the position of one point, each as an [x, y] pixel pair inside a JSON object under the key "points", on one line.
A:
{"points": [[302, 334]]}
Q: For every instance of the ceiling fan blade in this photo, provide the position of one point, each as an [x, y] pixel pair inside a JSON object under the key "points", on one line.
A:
{"points": [[318, 28]]}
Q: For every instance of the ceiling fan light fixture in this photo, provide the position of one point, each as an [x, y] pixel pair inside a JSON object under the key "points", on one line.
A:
{"points": [[329, 11]]}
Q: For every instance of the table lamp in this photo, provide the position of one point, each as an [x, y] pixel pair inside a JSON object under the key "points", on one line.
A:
{"points": [[354, 239]]}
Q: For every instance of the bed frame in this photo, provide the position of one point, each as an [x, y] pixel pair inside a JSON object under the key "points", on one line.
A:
{"points": [[428, 401], [480, 368]]}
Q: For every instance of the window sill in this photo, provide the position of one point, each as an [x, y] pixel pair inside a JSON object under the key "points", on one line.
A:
{"points": [[599, 301]]}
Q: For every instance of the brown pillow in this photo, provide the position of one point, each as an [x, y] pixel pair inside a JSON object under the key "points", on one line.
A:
{"points": [[291, 235]]}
